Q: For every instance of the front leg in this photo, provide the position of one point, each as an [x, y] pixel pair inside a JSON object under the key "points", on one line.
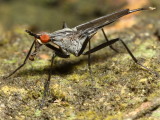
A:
{"points": [[24, 62], [47, 82], [89, 60]]}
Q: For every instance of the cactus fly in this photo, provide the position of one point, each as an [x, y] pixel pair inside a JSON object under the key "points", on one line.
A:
{"points": [[74, 41]]}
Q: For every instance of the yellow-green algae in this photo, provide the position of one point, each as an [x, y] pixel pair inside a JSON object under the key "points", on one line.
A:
{"points": [[7, 90]]}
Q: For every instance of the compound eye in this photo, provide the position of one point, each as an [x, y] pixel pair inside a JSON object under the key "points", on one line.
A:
{"points": [[44, 38]]}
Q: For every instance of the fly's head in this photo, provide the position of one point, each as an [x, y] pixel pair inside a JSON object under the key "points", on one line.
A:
{"points": [[40, 39], [44, 38]]}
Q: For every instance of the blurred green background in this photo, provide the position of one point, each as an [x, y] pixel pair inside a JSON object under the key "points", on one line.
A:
{"points": [[49, 14]]}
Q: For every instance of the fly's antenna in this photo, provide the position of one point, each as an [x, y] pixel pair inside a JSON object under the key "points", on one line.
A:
{"points": [[140, 9], [32, 34]]}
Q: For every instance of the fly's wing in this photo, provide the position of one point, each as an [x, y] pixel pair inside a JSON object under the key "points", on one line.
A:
{"points": [[107, 19], [103, 19]]}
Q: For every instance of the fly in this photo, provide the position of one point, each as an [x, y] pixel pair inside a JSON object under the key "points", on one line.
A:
{"points": [[74, 41]]}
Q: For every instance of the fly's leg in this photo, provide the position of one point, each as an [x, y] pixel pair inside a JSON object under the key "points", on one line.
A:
{"points": [[64, 25], [135, 60], [25, 60], [101, 46], [89, 57], [105, 36], [47, 82], [130, 53], [32, 55], [89, 60]]}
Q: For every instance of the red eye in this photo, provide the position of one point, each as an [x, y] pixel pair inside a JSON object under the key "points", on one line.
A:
{"points": [[44, 38]]}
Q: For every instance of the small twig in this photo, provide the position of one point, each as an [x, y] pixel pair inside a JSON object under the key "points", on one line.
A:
{"points": [[143, 109]]}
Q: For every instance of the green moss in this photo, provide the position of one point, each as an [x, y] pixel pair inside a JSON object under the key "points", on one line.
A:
{"points": [[89, 115], [57, 92], [145, 47], [8, 90], [38, 113], [76, 77], [156, 114], [118, 116]]}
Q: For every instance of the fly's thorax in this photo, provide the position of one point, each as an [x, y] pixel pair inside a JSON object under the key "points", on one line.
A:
{"points": [[72, 42], [69, 40]]}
